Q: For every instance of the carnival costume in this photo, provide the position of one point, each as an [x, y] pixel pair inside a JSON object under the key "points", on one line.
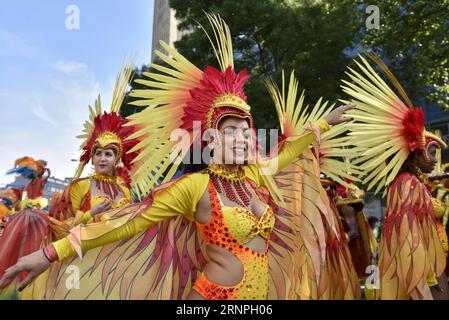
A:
{"points": [[102, 130], [385, 133], [26, 230], [156, 249]]}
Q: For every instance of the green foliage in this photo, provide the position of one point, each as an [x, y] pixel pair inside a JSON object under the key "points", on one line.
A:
{"points": [[318, 39], [414, 36], [269, 36]]}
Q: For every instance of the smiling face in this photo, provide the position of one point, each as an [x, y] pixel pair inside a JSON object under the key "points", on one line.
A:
{"points": [[234, 136], [104, 160]]}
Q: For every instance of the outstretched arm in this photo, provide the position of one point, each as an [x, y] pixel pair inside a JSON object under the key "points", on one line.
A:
{"points": [[290, 152], [179, 198]]}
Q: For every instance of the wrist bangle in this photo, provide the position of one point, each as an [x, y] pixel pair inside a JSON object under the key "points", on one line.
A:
{"points": [[50, 253]]}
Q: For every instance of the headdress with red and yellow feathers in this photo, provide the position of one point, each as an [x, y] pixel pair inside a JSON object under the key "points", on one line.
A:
{"points": [[180, 95], [386, 129], [108, 130]]}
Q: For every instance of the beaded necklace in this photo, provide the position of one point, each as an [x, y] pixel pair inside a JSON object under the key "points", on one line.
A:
{"points": [[231, 183], [107, 184]]}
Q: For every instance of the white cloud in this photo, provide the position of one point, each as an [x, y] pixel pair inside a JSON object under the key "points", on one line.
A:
{"points": [[71, 68], [40, 112], [14, 45]]}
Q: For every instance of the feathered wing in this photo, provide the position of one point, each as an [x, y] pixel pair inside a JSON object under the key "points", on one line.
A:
{"points": [[410, 252], [316, 224], [162, 262], [24, 233]]}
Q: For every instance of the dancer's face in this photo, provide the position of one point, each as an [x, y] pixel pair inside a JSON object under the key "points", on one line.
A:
{"points": [[427, 165], [104, 161], [234, 141]]}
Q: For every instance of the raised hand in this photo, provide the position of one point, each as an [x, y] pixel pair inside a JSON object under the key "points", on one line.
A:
{"points": [[337, 115], [100, 208]]}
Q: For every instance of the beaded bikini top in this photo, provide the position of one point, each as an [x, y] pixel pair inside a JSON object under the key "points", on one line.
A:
{"points": [[238, 223]]}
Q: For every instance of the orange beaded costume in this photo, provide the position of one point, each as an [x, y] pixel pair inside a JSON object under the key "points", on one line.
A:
{"points": [[231, 228]]}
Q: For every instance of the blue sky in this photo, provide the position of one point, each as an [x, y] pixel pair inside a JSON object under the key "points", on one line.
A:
{"points": [[49, 74]]}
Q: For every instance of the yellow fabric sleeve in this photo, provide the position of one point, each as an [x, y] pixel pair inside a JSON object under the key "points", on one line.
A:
{"points": [[78, 191], [289, 153], [85, 218], [179, 198]]}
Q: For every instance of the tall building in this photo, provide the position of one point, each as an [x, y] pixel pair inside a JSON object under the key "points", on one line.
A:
{"points": [[165, 26]]}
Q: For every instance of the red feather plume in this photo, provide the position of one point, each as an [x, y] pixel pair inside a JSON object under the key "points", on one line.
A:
{"points": [[112, 122], [413, 128], [213, 85]]}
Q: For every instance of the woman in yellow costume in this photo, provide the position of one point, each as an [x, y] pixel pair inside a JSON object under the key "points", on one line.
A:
{"points": [[395, 151], [220, 233], [104, 144], [83, 199]]}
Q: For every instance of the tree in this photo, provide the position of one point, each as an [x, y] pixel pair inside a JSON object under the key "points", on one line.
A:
{"points": [[128, 109], [270, 36], [413, 37]]}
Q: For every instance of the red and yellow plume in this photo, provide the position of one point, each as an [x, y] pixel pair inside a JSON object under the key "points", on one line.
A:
{"points": [[385, 130], [108, 129], [181, 98]]}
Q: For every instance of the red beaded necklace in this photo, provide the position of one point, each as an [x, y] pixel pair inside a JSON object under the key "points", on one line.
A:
{"points": [[107, 184], [230, 183]]}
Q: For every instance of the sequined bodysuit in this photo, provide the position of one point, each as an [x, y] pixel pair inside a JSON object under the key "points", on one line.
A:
{"points": [[230, 228]]}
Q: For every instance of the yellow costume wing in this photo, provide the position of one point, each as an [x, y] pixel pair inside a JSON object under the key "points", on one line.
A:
{"points": [[323, 271]]}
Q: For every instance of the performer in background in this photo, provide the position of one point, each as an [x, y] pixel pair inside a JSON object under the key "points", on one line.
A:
{"points": [[85, 199], [396, 153], [26, 230]]}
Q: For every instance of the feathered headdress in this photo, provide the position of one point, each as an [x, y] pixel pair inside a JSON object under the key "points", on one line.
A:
{"points": [[350, 195], [108, 130], [385, 130], [9, 197], [28, 167], [181, 96]]}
